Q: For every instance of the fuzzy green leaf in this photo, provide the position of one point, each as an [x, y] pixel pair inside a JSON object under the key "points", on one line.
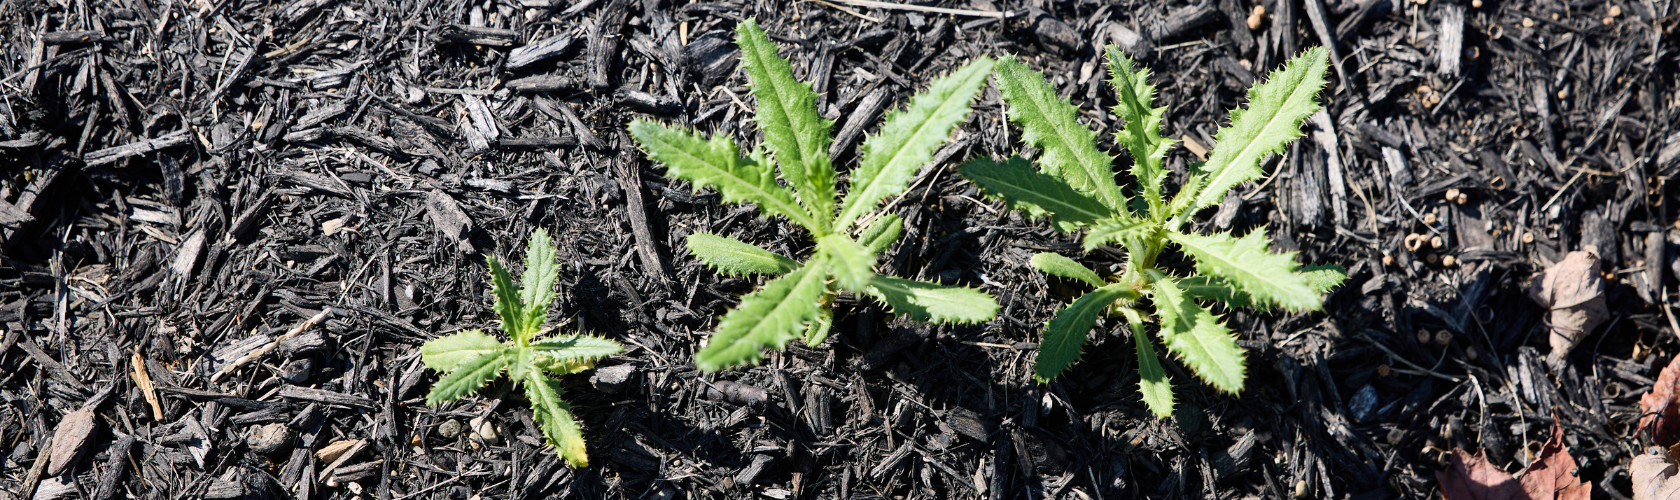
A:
{"points": [[1125, 230], [924, 301], [1273, 119], [850, 263], [908, 138], [1152, 379], [1064, 334], [1198, 338], [1141, 133], [1267, 277], [881, 234], [1055, 264], [768, 317], [445, 354], [735, 257], [1051, 124], [1035, 193], [1215, 289], [817, 331], [554, 416], [1323, 277], [537, 290], [717, 162], [572, 350], [794, 132], [470, 376], [508, 306]]}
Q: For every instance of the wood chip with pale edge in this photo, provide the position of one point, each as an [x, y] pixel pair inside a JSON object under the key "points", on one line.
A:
{"points": [[70, 438]]}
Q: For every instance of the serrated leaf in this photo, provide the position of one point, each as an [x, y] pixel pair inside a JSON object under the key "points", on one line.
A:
{"points": [[1323, 277], [1064, 334], [1141, 132], [735, 257], [470, 376], [924, 301], [1267, 277], [536, 291], [445, 354], [1051, 124], [1198, 338], [1215, 289], [558, 354], [717, 163], [850, 263], [1152, 379], [1035, 193], [1055, 264], [768, 317], [794, 132], [817, 331], [1273, 119], [554, 416], [908, 138], [1125, 230], [881, 234], [507, 306]]}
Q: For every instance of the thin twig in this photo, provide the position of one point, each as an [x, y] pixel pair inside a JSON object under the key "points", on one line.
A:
{"points": [[1421, 370], [254, 355], [919, 8]]}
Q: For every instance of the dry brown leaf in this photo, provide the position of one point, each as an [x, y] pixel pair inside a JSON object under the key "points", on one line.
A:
{"points": [[70, 438], [1653, 476], [1477, 479], [1657, 409], [1573, 291], [1554, 476]]}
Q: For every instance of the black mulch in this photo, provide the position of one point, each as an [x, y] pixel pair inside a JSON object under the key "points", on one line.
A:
{"points": [[185, 182]]}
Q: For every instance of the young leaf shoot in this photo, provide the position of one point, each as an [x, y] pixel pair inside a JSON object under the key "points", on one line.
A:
{"points": [[795, 303], [471, 358], [1073, 185]]}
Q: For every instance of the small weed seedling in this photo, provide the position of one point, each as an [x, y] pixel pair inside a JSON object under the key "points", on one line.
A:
{"points": [[1074, 186], [797, 303], [471, 358]]}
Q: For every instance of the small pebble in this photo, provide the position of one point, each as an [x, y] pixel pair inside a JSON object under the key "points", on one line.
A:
{"points": [[449, 429], [485, 431]]}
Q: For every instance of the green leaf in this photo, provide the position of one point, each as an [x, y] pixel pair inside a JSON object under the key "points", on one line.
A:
{"points": [[555, 418], [817, 331], [445, 354], [557, 353], [924, 301], [881, 234], [537, 290], [1064, 334], [717, 162], [470, 376], [1152, 379], [794, 132], [1215, 289], [1273, 119], [1125, 230], [1055, 264], [1323, 277], [1035, 193], [735, 257], [850, 263], [1268, 277], [908, 138], [766, 318], [508, 306], [1198, 338], [1051, 124], [1141, 133]]}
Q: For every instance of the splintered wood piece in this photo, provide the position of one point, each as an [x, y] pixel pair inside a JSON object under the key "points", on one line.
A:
{"points": [[261, 351], [136, 148], [541, 83], [479, 35], [143, 381], [646, 244], [482, 120], [604, 41], [448, 219], [548, 47], [71, 439]]}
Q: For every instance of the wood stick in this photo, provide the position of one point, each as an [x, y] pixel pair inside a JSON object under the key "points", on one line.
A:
{"points": [[254, 355]]}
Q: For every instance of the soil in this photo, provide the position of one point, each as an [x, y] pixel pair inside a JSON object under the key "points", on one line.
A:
{"points": [[183, 184]]}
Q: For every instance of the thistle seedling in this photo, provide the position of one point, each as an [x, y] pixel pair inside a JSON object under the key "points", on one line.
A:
{"points": [[796, 304], [1074, 187], [472, 358]]}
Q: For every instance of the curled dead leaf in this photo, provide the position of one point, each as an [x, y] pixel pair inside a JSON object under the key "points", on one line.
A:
{"points": [[1552, 476], [1573, 291], [1653, 476], [1657, 408]]}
